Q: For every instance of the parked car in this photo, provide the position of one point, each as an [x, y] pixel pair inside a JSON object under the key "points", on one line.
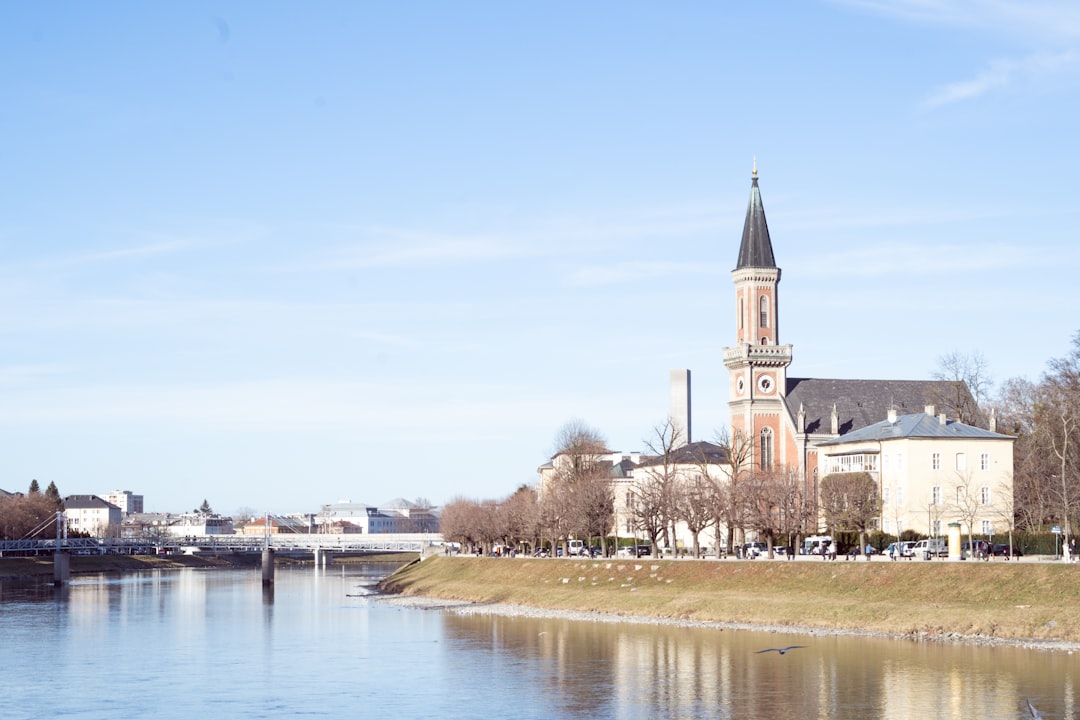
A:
{"points": [[899, 549], [576, 547], [976, 548], [934, 547], [752, 550], [1003, 551], [635, 550]]}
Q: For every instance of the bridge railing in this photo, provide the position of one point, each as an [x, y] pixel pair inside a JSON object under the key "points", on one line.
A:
{"points": [[236, 543]]}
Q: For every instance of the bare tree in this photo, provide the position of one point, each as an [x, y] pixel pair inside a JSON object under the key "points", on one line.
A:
{"points": [[850, 502], [656, 478], [966, 503], [579, 498], [731, 496], [969, 384]]}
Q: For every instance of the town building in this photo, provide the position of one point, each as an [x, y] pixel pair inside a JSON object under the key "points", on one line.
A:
{"points": [[810, 425], [91, 515], [930, 471], [394, 516], [128, 502]]}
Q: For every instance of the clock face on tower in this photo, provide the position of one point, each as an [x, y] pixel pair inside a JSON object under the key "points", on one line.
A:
{"points": [[766, 384]]}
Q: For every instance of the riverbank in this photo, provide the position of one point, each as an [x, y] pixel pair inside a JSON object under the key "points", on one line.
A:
{"points": [[42, 567], [1030, 604]]}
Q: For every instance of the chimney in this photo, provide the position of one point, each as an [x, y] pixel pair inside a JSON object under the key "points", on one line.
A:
{"points": [[993, 420], [892, 416], [680, 404], [800, 420], [929, 410], [834, 422], [941, 419]]}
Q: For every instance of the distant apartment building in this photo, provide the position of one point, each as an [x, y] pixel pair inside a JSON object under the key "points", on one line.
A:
{"points": [[394, 516], [128, 502], [92, 515]]}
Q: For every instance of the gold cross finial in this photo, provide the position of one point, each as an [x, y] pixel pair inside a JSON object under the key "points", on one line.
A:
{"points": [[755, 167]]}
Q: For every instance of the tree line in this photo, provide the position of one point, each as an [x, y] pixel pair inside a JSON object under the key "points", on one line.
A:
{"points": [[22, 515], [717, 485]]}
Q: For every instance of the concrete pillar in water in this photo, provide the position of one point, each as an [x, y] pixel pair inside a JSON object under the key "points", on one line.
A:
{"points": [[319, 557], [61, 568], [267, 566]]}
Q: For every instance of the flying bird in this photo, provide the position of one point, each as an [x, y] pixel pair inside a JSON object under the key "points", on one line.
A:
{"points": [[782, 650], [1034, 713]]}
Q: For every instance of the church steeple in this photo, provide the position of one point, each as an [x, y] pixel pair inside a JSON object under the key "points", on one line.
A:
{"points": [[756, 248]]}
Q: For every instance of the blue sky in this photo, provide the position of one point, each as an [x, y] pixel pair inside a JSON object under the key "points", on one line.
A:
{"points": [[275, 255]]}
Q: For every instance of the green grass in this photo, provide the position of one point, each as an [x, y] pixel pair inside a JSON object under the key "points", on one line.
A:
{"points": [[1003, 600]]}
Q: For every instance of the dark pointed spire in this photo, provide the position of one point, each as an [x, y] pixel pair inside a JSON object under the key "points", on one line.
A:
{"points": [[756, 248]]}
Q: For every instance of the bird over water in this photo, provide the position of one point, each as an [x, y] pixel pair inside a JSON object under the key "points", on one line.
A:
{"points": [[782, 650]]}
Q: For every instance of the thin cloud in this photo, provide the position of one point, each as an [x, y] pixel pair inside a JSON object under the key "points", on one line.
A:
{"points": [[1003, 73], [913, 260], [630, 272]]}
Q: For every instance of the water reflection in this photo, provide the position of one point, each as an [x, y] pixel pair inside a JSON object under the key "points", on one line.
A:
{"points": [[316, 644], [636, 671]]}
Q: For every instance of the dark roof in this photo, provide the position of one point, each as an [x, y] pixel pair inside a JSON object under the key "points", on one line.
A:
{"points": [[86, 502], [756, 247], [861, 403], [691, 454], [916, 425]]}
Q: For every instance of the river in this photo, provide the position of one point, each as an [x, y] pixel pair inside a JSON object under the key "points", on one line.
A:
{"points": [[197, 644]]}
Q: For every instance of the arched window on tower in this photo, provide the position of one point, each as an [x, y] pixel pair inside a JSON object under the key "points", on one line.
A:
{"points": [[763, 311], [766, 449]]}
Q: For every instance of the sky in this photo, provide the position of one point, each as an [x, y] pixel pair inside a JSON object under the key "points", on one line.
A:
{"points": [[276, 255]]}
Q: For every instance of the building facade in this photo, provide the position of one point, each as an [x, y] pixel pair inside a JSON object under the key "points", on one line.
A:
{"points": [[91, 515], [788, 423]]}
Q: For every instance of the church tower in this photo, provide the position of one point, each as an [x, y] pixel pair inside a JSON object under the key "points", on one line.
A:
{"points": [[757, 364]]}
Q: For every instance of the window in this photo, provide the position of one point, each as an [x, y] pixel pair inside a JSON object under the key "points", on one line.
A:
{"points": [[935, 527], [935, 461], [885, 462], [857, 462], [960, 494], [741, 302], [984, 461], [984, 495], [884, 496], [987, 527], [887, 527], [935, 495], [899, 461], [763, 311], [961, 461], [900, 495], [766, 449]]}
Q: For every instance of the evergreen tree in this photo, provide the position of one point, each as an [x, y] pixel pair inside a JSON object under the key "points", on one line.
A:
{"points": [[54, 495], [34, 487]]}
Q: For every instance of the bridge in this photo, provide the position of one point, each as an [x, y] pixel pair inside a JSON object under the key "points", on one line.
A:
{"points": [[299, 543]]}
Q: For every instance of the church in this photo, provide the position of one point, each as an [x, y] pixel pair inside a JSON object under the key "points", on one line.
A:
{"points": [[900, 431]]}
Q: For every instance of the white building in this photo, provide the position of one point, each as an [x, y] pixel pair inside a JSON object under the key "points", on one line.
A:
{"points": [[931, 471], [128, 502], [92, 515]]}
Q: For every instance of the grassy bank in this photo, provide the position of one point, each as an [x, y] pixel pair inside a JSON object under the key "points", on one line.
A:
{"points": [[1003, 600]]}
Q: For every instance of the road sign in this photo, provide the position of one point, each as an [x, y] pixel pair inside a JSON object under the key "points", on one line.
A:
{"points": [[1056, 529]]}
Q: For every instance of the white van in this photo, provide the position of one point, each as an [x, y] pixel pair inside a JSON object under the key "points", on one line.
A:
{"points": [[575, 547], [927, 549], [816, 544]]}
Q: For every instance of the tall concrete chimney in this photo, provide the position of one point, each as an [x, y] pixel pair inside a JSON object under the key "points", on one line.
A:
{"points": [[680, 404]]}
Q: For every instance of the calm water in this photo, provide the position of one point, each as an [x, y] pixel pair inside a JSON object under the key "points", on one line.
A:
{"points": [[212, 644]]}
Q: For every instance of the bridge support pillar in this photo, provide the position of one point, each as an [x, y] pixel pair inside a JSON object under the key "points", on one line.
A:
{"points": [[61, 568], [267, 566]]}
